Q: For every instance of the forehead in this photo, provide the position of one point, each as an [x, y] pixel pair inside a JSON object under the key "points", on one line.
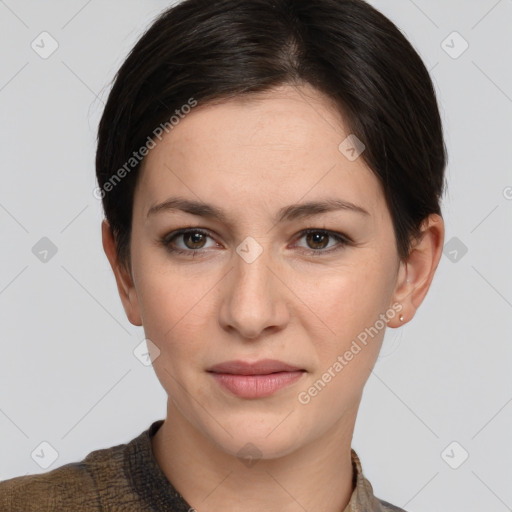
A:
{"points": [[268, 149]]}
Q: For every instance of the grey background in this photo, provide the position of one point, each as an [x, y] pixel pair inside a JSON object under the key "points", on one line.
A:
{"points": [[68, 375]]}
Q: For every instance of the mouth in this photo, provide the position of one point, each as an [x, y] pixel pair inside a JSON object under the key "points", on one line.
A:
{"points": [[255, 380]]}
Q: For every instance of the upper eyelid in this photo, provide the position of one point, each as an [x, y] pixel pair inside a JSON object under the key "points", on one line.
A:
{"points": [[183, 231]]}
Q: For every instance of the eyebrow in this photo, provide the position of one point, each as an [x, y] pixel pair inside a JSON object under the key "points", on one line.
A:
{"points": [[287, 213]]}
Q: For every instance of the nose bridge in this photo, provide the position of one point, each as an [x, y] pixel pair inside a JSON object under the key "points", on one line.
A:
{"points": [[252, 274], [253, 301], [252, 266]]}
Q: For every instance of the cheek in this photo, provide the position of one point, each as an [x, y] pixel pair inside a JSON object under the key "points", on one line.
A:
{"points": [[174, 307], [350, 297], [349, 304], [175, 311]]}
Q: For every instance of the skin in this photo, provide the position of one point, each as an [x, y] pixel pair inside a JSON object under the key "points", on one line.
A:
{"points": [[251, 157]]}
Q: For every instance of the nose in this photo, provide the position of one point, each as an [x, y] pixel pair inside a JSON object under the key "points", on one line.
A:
{"points": [[254, 298]]}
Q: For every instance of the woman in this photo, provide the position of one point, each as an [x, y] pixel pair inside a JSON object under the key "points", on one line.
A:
{"points": [[271, 172]]}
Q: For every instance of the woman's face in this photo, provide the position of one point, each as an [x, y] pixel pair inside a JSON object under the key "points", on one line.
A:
{"points": [[246, 285]]}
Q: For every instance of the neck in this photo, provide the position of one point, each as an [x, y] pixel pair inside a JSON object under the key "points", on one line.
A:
{"points": [[316, 476]]}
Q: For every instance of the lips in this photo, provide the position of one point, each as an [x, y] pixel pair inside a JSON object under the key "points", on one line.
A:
{"points": [[263, 367], [255, 380]]}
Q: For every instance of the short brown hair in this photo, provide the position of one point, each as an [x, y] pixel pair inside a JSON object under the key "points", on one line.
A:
{"points": [[215, 49]]}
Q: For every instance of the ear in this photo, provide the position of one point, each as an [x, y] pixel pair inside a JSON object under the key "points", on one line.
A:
{"points": [[415, 275], [123, 276]]}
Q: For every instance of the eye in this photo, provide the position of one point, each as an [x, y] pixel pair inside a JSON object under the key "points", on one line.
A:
{"points": [[193, 240], [318, 241]]}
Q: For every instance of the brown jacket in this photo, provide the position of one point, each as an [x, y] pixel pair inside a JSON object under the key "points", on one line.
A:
{"points": [[128, 478]]}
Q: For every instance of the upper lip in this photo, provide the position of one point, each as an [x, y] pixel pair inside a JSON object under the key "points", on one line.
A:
{"points": [[263, 367]]}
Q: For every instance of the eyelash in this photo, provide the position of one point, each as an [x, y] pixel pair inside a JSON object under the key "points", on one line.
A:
{"points": [[341, 239]]}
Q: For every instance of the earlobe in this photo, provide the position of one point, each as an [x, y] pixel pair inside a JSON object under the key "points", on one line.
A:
{"points": [[416, 274], [124, 280]]}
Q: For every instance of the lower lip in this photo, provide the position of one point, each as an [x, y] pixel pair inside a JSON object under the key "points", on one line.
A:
{"points": [[256, 386]]}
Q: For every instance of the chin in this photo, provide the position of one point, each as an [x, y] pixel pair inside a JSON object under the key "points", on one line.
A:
{"points": [[255, 437]]}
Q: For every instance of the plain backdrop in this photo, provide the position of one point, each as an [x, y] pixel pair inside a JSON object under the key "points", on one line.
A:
{"points": [[434, 427]]}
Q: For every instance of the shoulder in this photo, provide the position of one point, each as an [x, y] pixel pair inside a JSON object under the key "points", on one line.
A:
{"points": [[70, 487], [387, 507], [74, 486], [363, 497]]}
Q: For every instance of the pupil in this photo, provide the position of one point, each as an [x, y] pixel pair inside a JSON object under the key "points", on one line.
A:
{"points": [[196, 238], [317, 238]]}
